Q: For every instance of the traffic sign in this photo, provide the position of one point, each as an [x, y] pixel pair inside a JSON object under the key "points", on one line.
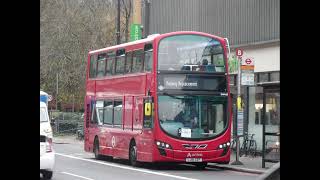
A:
{"points": [[248, 62], [240, 123], [247, 67], [247, 79], [239, 52]]}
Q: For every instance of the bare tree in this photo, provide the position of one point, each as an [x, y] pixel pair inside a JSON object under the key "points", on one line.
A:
{"points": [[126, 11], [68, 30]]}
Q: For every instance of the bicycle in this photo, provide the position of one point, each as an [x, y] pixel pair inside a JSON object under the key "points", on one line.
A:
{"points": [[233, 145], [249, 146]]}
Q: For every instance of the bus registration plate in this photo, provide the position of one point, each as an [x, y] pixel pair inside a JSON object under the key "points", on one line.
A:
{"points": [[193, 159]]}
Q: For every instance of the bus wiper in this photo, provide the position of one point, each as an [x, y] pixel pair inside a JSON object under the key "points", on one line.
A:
{"points": [[176, 97], [173, 96]]}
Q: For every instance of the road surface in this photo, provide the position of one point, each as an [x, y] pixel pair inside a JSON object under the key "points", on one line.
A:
{"points": [[73, 163]]}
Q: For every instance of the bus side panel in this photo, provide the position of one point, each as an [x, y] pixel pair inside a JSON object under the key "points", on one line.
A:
{"points": [[118, 143], [145, 145], [90, 96], [87, 115], [105, 140], [119, 86], [128, 113], [137, 116]]}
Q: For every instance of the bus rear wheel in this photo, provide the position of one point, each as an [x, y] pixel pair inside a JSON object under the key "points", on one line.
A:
{"points": [[96, 150], [133, 155]]}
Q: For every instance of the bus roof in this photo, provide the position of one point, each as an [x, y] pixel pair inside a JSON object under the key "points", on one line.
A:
{"points": [[149, 38]]}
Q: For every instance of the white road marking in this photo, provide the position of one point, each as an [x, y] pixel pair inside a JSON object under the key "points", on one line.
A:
{"points": [[77, 175], [128, 168]]}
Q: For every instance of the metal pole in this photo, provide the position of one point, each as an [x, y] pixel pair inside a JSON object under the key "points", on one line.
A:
{"points": [[72, 102], [118, 23], [263, 127], [57, 91], [237, 162], [147, 18]]}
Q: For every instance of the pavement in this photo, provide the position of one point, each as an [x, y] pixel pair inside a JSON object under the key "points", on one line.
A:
{"points": [[250, 164]]}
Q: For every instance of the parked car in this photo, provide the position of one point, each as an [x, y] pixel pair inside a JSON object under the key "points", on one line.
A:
{"points": [[47, 158]]}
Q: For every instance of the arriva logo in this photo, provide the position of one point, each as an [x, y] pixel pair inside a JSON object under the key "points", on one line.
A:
{"points": [[194, 155]]}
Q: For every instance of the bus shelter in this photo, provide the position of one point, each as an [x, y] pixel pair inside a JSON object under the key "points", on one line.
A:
{"points": [[271, 122]]}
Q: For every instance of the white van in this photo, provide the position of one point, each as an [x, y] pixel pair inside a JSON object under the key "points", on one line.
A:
{"points": [[46, 149]]}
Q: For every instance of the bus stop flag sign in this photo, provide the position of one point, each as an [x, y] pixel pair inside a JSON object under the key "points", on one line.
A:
{"points": [[247, 72], [239, 52], [240, 123]]}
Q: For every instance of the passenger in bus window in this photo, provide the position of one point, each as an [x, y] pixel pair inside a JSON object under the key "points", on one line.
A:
{"points": [[194, 119], [204, 65], [204, 62]]}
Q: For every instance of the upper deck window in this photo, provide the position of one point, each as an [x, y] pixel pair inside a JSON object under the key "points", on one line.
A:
{"points": [[93, 66], [101, 65], [120, 61], [190, 53], [110, 69], [148, 57], [128, 66], [137, 61]]}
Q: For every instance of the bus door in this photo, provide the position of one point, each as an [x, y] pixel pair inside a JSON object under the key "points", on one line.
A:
{"points": [[93, 129], [146, 141], [87, 119]]}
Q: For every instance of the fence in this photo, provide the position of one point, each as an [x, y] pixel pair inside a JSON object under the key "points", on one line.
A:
{"points": [[66, 122]]}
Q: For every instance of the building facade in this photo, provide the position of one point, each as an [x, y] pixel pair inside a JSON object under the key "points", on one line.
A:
{"points": [[253, 26]]}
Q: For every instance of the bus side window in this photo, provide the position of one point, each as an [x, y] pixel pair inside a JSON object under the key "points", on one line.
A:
{"points": [[120, 61], [148, 57], [117, 120], [110, 64], [93, 66], [108, 112], [137, 61], [128, 63], [94, 119], [101, 65]]}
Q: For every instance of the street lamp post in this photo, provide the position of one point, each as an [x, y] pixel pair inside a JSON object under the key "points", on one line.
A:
{"points": [[57, 86], [118, 23]]}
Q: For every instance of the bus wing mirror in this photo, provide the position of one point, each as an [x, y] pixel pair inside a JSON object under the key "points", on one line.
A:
{"points": [[147, 109]]}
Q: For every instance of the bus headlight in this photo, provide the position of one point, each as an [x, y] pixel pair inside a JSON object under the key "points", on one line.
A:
{"points": [[163, 145], [224, 145]]}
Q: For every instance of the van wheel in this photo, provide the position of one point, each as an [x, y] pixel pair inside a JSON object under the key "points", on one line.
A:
{"points": [[96, 150], [133, 155], [47, 174]]}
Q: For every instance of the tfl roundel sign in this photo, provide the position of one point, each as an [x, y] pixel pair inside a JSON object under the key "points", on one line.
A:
{"points": [[248, 62]]}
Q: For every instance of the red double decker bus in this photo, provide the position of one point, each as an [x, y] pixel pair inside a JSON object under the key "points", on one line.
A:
{"points": [[164, 98]]}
